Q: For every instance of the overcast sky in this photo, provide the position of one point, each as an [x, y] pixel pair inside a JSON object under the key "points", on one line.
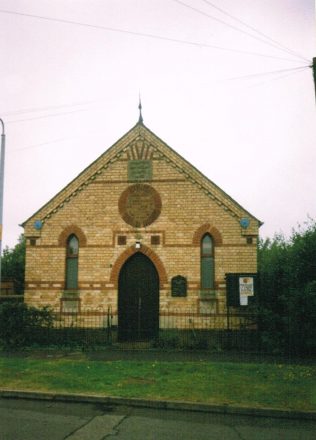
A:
{"points": [[239, 108]]}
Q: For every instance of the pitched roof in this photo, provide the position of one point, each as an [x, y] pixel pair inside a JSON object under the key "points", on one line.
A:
{"points": [[139, 143]]}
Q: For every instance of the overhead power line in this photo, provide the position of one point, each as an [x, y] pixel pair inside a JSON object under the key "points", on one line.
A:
{"points": [[50, 107], [276, 46], [141, 34], [271, 73], [287, 49], [45, 116], [39, 145], [55, 141], [284, 75]]}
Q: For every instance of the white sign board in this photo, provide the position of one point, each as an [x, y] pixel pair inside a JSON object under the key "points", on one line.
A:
{"points": [[246, 288]]}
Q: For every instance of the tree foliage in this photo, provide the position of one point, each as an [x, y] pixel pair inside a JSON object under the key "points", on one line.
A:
{"points": [[13, 264], [21, 325], [287, 299]]}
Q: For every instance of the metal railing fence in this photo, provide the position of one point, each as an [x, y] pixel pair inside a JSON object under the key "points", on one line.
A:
{"points": [[176, 330]]}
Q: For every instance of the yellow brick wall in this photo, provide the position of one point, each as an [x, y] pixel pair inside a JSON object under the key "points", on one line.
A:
{"points": [[187, 204]]}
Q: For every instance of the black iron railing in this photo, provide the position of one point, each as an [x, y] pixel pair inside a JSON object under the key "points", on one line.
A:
{"points": [[177, 329]]}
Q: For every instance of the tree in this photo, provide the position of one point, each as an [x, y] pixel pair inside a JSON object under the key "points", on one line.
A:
{"points": [[287, 299], [303, 255], [13, 264]]}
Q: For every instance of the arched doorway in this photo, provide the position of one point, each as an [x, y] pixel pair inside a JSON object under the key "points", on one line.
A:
{"points": [[138, 299]]}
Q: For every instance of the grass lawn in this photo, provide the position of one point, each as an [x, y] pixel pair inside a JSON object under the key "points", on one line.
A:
{"points": [[243, 384]]}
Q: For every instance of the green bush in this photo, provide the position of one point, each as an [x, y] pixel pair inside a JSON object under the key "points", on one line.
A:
{"points": [[287, 297], [167, 340], [21, 325], [13, 265]]}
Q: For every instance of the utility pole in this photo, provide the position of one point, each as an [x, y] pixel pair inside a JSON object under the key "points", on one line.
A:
{"points": [[314, 72], [1, 190]]}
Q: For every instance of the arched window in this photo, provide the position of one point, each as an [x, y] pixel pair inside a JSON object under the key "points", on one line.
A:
{"points": [[72, 262], [207, 262]]}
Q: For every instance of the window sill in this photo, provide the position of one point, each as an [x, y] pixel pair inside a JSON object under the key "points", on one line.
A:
{"points": [[71, 293], [208, 294]]}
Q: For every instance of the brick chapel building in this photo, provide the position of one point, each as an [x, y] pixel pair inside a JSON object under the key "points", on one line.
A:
{"points": [[139, 231]]}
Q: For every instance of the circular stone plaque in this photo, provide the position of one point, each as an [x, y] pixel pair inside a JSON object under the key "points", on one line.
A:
{"points": [[244, 222], [140, 205]]}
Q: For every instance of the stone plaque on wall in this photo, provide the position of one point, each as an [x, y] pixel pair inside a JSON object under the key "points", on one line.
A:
{"points": [[139, 170], [140, 205], [179, 286]]}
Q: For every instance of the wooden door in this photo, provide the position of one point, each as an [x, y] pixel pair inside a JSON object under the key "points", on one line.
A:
{"points": [[138, 300]]}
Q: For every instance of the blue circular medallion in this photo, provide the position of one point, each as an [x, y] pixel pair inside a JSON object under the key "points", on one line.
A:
{"points": [[38, 224], [244, 222]]}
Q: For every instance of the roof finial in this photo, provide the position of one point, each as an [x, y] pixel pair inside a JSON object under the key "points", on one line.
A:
{"points": [[140, 119]]}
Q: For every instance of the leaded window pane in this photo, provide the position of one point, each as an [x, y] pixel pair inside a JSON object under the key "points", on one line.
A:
{"points": [[72, 262], [72, 273], [73, 246], [207, 245], [207, 272]]}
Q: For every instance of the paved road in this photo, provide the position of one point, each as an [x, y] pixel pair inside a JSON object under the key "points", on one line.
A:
{"points": [[46, 420]]}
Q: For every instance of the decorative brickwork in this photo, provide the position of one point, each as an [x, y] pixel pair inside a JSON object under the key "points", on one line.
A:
{"points": [[72, 229], [140, 205], [178, 206], [163, 279], [204, 229], [155, 240], [140, 150], [121, 240]]}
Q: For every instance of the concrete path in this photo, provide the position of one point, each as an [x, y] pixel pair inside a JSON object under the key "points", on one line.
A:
{"points": [[50, 420]]}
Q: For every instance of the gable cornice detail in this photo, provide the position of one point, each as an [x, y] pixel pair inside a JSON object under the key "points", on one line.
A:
{"points": [[137, 135], [187, 175], [84, 184], [197, 181]]}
